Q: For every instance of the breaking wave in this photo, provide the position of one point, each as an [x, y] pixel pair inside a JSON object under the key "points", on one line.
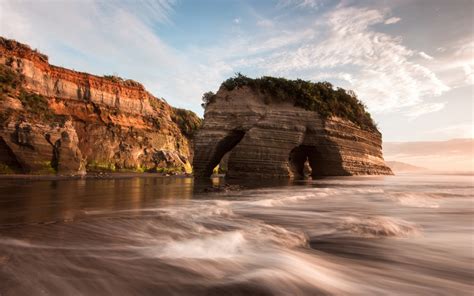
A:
{"points": [[378, 226]]}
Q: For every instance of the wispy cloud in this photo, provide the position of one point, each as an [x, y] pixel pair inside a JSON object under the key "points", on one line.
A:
{"points": [[378, 66], [455, 62], [300, 3], [425, 55], [116, 35], [423, 108], [265, 23], [342, 45], [392, 20]]}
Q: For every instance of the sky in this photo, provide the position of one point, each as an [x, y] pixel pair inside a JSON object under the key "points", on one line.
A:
{"points": [[411, 62], [452, 155]]}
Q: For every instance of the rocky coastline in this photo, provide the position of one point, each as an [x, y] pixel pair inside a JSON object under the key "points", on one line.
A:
{"points": [[59, 121], [268, 128]]}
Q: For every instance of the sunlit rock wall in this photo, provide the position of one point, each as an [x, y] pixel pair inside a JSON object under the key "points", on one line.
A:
{"points": [[264, 139], [93, 123]]}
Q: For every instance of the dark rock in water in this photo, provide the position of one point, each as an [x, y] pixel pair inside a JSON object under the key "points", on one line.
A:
{"points": [[264, 135]]}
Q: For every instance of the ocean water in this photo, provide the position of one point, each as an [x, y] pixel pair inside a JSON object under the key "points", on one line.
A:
{"points": [[392, 235]]}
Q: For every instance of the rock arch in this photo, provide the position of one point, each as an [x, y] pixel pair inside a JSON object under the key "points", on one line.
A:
{"points": [[273, 139], [208, 158], [299, 156]]}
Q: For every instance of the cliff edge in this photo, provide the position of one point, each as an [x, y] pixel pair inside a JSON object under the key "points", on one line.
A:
{"points": [[56, 120], [273, 127]]}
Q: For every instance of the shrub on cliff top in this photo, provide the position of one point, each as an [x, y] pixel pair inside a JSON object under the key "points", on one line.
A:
{"points": [[207, 98], [187, 121], [314, 96], [13, 45], [126, 82]]}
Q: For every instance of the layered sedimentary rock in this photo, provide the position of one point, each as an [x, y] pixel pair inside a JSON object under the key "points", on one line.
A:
{"points": [[57, 120], [267, 137]]}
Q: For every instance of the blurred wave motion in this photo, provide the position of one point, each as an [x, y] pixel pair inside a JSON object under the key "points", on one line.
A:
{"points": [[400, 235]]}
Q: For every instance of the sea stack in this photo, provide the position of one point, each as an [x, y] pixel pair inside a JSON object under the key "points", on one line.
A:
{"points": [[273, 127]]}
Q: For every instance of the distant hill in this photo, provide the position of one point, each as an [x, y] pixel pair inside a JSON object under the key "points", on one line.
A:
{"points": [[402, 167]]}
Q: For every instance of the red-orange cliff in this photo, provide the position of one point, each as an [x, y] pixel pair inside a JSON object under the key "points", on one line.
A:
{"points": [[54, 119]]}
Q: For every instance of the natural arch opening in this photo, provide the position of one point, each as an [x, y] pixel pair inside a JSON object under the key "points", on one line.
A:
{"points": [[224, 146], [303, 161]]}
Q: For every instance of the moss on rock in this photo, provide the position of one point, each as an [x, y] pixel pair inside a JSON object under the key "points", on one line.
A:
{"points": [[99, 166]]}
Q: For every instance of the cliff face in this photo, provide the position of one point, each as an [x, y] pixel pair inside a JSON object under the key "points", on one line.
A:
{"points": [[265, 137], [58, 120]]}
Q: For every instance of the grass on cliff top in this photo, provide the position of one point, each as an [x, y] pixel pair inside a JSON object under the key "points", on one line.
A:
{"points": [[187, 121], [12, 45], [320, 97], [125, 82]]}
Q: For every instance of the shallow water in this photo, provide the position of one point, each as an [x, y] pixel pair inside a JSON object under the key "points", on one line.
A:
{"points": [[397, 235]]}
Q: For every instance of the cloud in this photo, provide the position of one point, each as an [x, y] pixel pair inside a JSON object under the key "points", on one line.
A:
{"points": [[236, 20], [423, 108], [282, 40], [300, 3], [113, 37], [463, 130], [455, 62], [392, 20], [425, 55], [468, 70], [343, 44], [265, 23], [465, 53]]}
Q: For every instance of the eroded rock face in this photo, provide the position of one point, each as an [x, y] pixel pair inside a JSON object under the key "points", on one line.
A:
{"points": [[267, 138], [58, 120]]}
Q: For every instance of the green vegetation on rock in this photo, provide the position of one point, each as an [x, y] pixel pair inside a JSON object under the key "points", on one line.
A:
{"points": [[10, 81], [187, 121], [125, 82], [12, 45], [207, 98], [170, 170], [5, 169], [320, 97], [98, 166], [155, 103], [36, 105], [44, 168]]}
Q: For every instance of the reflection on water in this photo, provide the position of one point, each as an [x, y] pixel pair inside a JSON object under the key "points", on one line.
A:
{"points": [[45, 201], [339, 236]]}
